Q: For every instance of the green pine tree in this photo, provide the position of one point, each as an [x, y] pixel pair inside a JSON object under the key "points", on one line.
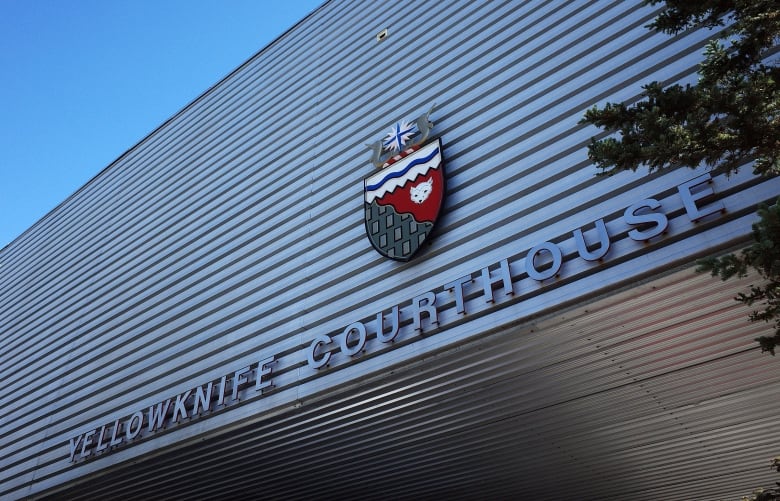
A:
{"points": [[728, 120]]}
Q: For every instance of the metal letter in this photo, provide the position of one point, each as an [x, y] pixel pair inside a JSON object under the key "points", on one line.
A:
{"points": [[689, 198], [557, 261], [86, 443], [239, 378], [380, 325], [222, 385], [157, 419], [582, 247], [116, 432], [264, 370], [202, 399], [325, 358], [100, 446], [74, 445], [659, 219], [506, 278], [457, 288], [425, 302], [357, 347], [129, 433], [179, 411]]}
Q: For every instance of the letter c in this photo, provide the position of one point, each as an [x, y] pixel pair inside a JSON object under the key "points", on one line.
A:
{"points": [[325, 358]]}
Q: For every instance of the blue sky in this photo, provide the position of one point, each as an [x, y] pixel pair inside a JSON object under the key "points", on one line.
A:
{"points": [[82, 81]]}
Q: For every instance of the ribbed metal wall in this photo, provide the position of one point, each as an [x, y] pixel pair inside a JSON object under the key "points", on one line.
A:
{"points": [[234, 232]]}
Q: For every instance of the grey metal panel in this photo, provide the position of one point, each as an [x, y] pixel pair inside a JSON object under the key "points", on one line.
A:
{"points": [[235, 231], [416, 412]]}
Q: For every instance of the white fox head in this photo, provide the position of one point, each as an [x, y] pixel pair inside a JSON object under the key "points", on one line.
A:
{"points": [[421, 192]]}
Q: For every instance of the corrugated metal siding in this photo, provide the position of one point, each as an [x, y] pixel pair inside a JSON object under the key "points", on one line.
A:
{"points": [[570, 406], [234, 231]]}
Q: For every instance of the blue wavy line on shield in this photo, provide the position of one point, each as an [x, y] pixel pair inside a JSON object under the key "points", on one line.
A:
{"points": [[393, 175]]}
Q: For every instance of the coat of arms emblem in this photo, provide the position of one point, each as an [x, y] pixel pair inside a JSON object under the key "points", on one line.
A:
{"points": [[403, 199]]}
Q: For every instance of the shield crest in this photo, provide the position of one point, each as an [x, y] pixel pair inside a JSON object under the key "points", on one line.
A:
{"points": [[403, 200]]}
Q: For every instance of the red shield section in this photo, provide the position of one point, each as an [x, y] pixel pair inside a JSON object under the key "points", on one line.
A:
{"points": [[421, 197]]}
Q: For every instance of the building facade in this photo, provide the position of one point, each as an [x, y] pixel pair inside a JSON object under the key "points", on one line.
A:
{"points": [[210, 316]]}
